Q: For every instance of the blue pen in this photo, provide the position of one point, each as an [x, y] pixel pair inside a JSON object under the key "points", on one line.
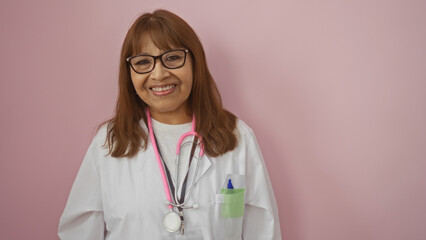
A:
{"points": [[230, 184]]}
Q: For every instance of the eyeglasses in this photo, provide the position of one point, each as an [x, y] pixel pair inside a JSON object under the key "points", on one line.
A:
{"points": [[146, 63]]}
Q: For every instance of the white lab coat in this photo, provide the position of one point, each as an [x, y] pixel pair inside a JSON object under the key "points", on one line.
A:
{"points": [[124, 199]]}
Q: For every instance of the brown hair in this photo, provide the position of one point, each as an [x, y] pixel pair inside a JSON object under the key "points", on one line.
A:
{"points": [[216, 125]]}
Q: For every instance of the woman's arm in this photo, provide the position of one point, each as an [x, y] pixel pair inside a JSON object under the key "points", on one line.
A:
{"points": [[83, 216], [261, 214]]}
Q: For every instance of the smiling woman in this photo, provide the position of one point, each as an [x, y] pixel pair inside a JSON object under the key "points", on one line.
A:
{"points": [[155, 34], [164, 87], [171, 133]]}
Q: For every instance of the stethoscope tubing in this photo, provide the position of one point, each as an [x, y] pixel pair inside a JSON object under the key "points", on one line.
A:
{"points": [[157, 156], [171, 203], [181, 205]]}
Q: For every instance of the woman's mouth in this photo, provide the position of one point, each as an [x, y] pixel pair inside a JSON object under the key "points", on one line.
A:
{"points": [[163, 90]]}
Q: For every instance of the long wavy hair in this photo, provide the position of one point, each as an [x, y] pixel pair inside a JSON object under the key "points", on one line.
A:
{"points": [[125, 136]]}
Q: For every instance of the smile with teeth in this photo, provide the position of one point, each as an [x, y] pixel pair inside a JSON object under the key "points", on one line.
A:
{"points": [[162, 89]]}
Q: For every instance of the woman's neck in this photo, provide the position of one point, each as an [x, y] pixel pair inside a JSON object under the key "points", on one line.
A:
{"points": [[171, 118]]}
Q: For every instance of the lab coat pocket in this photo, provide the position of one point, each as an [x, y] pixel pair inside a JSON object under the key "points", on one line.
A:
{"points": [[228, 222], [233, 203], [228, 209]]}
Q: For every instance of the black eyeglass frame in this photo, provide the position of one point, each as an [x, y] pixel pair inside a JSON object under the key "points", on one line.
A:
{"points": [[155, 60]]}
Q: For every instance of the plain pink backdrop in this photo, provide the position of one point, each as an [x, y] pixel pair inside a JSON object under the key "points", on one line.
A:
{"points": [[334, 90]]}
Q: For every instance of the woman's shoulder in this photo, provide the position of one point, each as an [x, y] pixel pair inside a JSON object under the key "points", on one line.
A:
{"points": [[100, 136], [243, 129], [101, 132]]}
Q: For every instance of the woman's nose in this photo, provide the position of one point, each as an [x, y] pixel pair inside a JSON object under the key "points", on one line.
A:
{"points": [[159, 72]]}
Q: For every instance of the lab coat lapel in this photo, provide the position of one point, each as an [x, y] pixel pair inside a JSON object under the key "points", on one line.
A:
{"points": [[205, 165]]}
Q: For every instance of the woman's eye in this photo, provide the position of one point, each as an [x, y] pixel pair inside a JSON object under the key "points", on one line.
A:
{"points": [[142, 62], [173, 58]]}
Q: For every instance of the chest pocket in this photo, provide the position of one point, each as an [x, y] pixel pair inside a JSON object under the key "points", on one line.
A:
{"points": [[228, 209]]}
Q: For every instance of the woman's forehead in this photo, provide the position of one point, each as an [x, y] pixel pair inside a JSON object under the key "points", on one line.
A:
{"points": [[149, 43]]}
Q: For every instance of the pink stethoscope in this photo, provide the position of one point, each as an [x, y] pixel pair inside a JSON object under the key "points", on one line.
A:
{"points": [[173, 221]]}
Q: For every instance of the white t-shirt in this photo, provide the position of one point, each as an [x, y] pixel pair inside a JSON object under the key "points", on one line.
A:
{"points": [[167, 139]]}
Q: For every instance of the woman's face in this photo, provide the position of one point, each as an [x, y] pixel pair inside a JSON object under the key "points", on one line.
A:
{"points": [[164, 90]]}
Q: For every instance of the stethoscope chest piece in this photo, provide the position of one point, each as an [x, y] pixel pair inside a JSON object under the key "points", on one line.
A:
{"points": [[172, 221]]}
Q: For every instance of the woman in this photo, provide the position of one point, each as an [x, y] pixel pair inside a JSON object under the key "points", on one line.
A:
{"points": [[132, 186]]}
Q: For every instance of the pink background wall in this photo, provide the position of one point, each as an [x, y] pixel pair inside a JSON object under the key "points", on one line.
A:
{"points": [[335, 91]]}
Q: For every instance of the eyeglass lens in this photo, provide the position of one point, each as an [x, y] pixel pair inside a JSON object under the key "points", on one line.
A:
{"points": [[145, 63]]}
